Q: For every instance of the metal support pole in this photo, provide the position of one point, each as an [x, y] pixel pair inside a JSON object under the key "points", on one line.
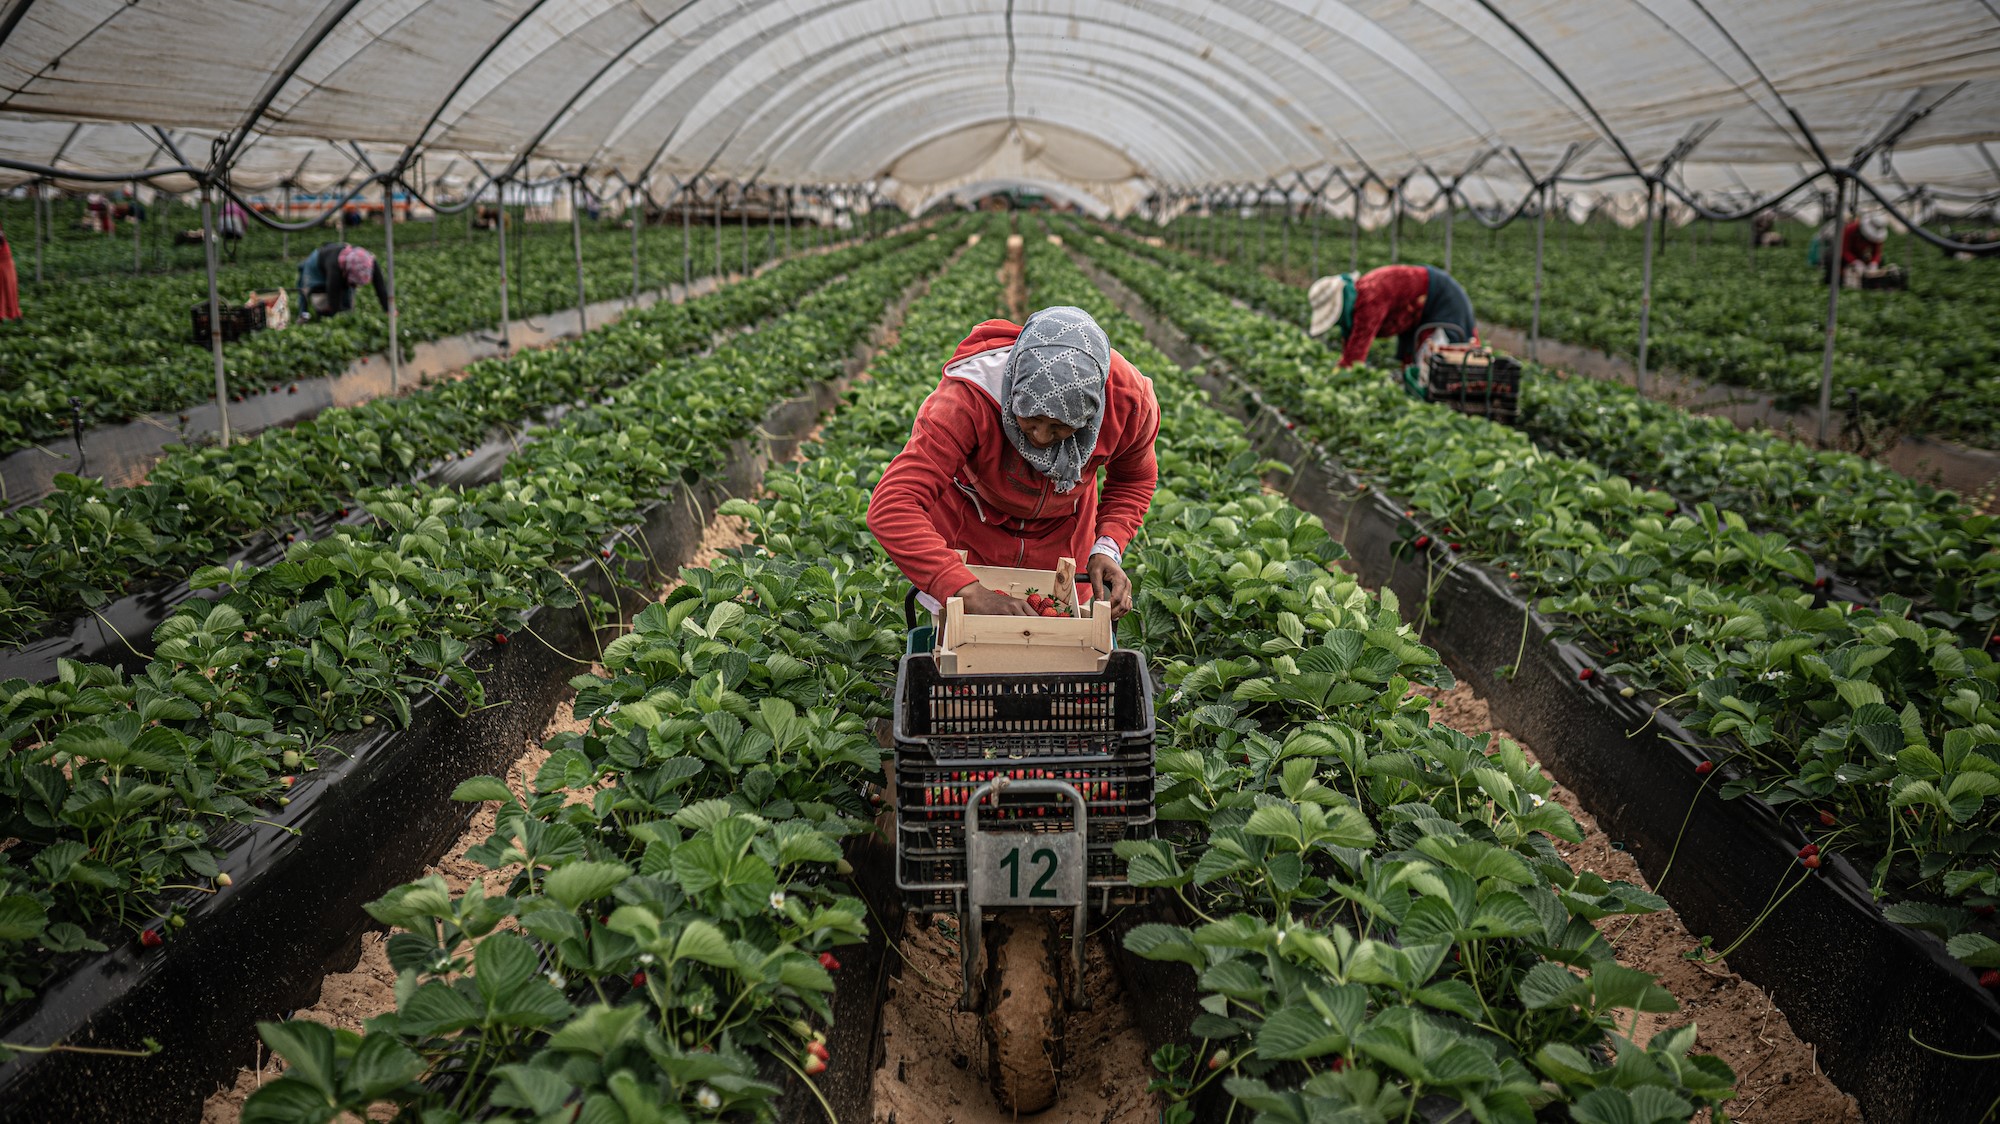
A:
{"points": [[40, 222], [1646, 292], [138, 247], [576, 242], [1832, 307], [1396, 226], [389, 263], [718, 234], [1313, 220], [506, 343], [743, 213], [285, 237], [1535, 320], [770, 227], [1354, 239], [638, 215], [214, 314], [1285, 238], [788, 220], [1263, 230], [687, 248], [1450, 213]]}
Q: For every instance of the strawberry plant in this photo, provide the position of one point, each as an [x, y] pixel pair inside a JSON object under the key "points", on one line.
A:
{"points": [[86, 544], [116, 782], [1874, 708], [120, 344]]}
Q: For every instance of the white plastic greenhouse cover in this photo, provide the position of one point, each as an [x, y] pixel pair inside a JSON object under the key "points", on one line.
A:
{"points": [[930, 97]]}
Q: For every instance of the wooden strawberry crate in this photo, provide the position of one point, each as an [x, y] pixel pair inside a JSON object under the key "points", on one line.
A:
{"points": [[972, 644]]}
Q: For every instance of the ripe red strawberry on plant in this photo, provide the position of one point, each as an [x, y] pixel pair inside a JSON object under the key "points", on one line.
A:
{"points": [[827, 961], [1989, 978], [818, 1050], [1704, 768]]}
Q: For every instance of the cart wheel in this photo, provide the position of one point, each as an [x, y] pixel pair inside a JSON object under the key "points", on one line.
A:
{"points": [[1024, 1011]]}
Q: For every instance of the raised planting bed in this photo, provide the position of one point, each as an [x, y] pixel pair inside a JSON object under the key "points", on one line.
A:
{"points": [[362, 825], [1863, 989]]}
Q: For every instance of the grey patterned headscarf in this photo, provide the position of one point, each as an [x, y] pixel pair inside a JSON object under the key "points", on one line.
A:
{"points": [[1058, 370]]}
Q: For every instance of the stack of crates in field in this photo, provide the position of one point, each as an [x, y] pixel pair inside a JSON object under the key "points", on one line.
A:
{"points": [[954, 733], [1475, 380]]}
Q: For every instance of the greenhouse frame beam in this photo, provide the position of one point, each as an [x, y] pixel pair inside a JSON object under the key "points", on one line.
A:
{"points": [[300, 52]]}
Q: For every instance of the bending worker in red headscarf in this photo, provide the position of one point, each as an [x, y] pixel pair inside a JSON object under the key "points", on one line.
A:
{"points": [[1418, 304], [1004, 458]]}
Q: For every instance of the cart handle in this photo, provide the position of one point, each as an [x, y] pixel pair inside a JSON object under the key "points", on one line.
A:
{"points": [[910, 609]]}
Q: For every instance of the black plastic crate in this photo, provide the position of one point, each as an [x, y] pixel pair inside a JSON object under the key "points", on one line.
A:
{"points": [[1045, 716], [238, 320], [1113, 788], [1478, 381]]}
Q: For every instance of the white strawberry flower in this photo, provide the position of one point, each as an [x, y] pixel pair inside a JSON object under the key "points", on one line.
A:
{"points": [[556, 980], [777, 899], [707, 1099]]}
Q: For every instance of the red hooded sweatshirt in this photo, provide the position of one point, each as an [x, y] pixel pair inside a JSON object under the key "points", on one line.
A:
{"points": [[961, 485]]}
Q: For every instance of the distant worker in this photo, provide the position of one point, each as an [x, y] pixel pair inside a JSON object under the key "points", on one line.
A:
{"points": [[330, 274], [1861, 243], [10, 290], [1418, 304]]}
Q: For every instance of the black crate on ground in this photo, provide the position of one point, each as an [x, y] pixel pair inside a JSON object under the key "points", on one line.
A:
{"points": [[954, 733], [1478, 381], [1052, 717], [238, 320]]}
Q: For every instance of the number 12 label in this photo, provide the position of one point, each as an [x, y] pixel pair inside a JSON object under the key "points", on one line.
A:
{"points": [[1027, 870]]}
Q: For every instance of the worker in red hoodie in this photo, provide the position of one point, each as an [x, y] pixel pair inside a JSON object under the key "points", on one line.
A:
{"points": [[1003, 463], [1418, 304]]}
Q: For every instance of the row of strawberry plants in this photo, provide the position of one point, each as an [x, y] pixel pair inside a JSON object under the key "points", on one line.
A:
{"points": [[121, 788], [1914, 359], [120, 345], [1880, 734], [1872, 525], [679, 895], [1386, 927], [87, 544]]}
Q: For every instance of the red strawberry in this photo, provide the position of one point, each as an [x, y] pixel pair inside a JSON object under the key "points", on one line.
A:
{"points": [[1811, 862], [814, 1066], [1983, 910], [1052, 611], [1338, 1064], [1809, 850], [1410, 513], [499, 638], [1704, 769], [342, 513], [294, 389], [1587, 674], [1456, 547], [819, 1050], [606, 552], [1827, 819], [1989, 978], [1819, 583], [151, 938], [827, 961], [1422, 542], [1513, 575], [638, 979], [288, 781]]}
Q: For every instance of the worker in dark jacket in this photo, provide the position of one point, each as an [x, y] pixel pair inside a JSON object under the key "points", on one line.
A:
{"points": [[330, 274], [1418, 304]]}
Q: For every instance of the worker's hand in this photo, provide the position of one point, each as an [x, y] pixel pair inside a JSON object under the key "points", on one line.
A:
{"points": [[983, 602], [1109, 583]]}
